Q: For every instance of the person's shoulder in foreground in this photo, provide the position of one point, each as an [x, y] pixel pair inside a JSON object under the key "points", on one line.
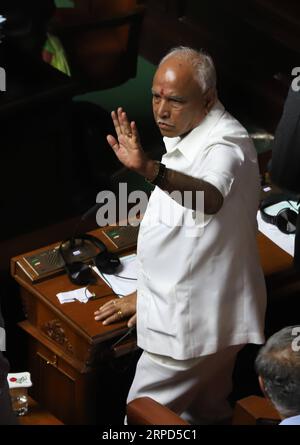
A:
{"points": [[295, 420]]}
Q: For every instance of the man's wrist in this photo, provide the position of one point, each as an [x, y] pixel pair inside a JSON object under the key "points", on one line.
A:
{"points": [[158, 174], [151, 170]]}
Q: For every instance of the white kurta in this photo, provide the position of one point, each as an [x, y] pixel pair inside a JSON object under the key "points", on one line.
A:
{"points": [[200, 284]]}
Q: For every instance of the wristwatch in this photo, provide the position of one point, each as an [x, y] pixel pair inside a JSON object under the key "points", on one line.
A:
{"points": [[160, 174]]}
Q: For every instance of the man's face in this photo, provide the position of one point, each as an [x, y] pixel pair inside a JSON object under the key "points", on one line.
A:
{"points": [[178, 102]]}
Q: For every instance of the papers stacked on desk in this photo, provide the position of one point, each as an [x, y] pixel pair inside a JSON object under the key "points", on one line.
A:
{"points": [[124, 282], [82, 295]]}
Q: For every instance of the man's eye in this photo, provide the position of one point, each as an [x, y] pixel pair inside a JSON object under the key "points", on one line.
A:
{"points": [[176, 103]]}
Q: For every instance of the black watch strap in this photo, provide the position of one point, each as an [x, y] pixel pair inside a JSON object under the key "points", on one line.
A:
{"points": [[160, 176]]}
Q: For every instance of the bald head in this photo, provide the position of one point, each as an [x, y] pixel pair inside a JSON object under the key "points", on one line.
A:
{"points": [[201, 63]]}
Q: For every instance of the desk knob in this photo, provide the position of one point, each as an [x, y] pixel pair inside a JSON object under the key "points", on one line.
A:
{"points": [[53, 362]]}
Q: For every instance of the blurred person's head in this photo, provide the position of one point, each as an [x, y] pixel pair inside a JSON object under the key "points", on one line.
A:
{"points": [[278, 368]]}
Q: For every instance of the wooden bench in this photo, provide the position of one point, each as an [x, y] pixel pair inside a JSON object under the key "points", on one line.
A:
{"points": [[254, 410]]}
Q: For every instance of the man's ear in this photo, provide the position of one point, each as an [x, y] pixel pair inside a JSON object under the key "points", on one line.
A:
{"points": [[210, 99], [262, 386]]}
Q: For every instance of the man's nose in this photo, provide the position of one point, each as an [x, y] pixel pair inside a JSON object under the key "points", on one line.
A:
{"points": [[163, 109]]}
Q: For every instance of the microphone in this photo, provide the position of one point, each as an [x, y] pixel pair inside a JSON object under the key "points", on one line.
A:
{"points": [[85, 215], [90, 211]]}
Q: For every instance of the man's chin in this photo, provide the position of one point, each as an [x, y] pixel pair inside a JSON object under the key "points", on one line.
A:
{"points": [[168, 132]]}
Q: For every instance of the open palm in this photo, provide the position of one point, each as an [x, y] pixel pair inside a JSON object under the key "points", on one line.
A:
{"points": [[127, 146]]}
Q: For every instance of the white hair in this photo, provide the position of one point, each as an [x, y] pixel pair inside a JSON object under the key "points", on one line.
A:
{"points": [[201, 62]]}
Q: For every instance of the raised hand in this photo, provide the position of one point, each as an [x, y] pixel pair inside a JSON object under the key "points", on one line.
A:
{"points": [[127, 146]]}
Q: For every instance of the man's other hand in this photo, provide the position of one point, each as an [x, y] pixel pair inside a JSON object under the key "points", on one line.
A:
{"points": [[118, 309]]}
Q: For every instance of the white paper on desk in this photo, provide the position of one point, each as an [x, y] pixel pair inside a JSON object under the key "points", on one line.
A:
{"points": [[82, 295], [284, 241], [122, 286]]}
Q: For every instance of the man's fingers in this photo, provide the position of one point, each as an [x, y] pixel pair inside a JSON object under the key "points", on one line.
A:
{"points": [[125, 125], [124, 122], [132, 321], [120, 121], [116, 122], [134, 131], [117, 316], [113, 142], [112, 311], [111, 319], [124, 128], [109, 305], [102, 315]]}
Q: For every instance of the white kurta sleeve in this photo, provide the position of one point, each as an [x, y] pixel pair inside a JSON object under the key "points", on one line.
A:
{"points": [[221, 166]]}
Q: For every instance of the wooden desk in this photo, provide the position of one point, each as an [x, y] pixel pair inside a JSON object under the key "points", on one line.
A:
{"points": [[282, 278], [274, 260], [69, 351]]}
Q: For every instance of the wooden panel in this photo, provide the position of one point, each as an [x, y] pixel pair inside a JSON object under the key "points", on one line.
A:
{"points": [[80, 398], [59, 387], [101, 8], [254, 45], [50, 375]]}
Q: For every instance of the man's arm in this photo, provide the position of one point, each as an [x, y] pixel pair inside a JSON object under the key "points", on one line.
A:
{"points": [[176, 181], [129, 151]]}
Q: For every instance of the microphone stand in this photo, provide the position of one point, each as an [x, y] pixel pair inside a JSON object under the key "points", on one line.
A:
{"points": [[89, 212]]}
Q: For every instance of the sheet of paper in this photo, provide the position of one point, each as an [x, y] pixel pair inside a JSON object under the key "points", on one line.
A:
{"points": [[284, 241], [82, 295], [124, 281]]}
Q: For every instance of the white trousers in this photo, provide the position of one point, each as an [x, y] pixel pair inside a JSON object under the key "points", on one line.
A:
{"points": [[196, 389]]}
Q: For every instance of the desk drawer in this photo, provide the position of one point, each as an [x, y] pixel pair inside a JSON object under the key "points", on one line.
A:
{"points": [[59, 387], [51, 351]]}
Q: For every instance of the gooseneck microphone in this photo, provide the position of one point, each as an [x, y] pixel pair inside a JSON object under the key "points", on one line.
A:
{"points": [[85, 215]]}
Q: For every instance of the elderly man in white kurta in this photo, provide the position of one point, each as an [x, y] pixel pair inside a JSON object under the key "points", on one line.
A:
{"points": [[201, 293]]}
